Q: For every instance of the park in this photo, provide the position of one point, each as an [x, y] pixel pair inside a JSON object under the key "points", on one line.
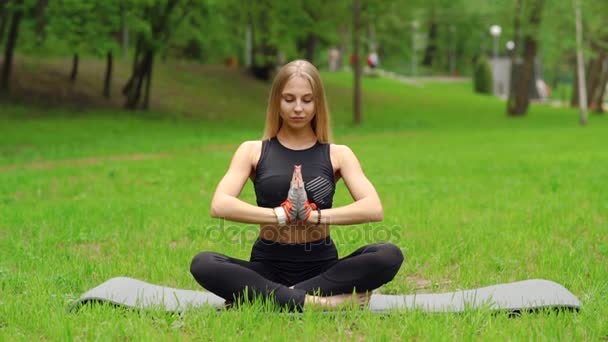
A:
{"points": [[127, 128]]}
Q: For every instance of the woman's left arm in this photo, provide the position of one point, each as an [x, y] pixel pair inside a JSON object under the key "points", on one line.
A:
{"points": [[366, 206]]}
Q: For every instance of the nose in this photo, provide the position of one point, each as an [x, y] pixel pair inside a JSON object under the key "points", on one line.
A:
{"points": [[298, 107]]}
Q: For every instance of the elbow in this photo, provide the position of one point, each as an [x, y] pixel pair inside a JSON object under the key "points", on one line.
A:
{"points": [[214, 212], [377, 214], [216, 209]]}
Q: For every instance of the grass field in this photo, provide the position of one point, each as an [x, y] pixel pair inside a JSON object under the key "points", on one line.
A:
{"points": [[473, 198]]}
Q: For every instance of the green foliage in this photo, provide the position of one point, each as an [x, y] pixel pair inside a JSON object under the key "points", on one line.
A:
{"points": [[212, 30], [85, 27], [482, 76]]}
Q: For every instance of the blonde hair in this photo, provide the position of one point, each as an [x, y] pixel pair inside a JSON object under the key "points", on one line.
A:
{"points": [[321, 121]]}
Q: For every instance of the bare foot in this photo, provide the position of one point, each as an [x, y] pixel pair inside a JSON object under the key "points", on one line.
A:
{"points": [[337, 301]]}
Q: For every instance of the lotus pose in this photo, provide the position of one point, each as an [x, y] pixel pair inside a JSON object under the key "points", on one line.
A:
{"points": [[294, 169]]}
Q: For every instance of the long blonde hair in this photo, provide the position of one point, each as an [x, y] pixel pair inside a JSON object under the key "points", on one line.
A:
{"points": [[321, 121]]}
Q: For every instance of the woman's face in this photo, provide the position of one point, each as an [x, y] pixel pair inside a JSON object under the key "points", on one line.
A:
{"points": [[297, 103]]}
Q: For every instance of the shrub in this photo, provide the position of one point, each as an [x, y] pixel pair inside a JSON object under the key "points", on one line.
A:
{"points": [[482, 76]]}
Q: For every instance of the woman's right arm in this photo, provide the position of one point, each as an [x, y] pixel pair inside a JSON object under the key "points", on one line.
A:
{"points": [[226, 203]]}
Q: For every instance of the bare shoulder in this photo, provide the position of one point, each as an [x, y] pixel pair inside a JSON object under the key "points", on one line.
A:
{"points": [[341, 155], [251, 145], [341, 151], [251, 149]]}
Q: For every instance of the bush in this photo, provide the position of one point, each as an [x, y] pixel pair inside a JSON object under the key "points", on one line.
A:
{"points": [[482, 76]]}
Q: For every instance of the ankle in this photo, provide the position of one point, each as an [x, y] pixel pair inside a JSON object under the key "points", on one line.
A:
{"points": [[314, 301]]}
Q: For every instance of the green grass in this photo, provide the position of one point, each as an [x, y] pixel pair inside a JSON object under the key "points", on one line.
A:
{"points": [[473, 198]]}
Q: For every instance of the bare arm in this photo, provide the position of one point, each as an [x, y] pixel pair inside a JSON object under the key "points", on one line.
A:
{"points": [[226, 203], [366, 206]]}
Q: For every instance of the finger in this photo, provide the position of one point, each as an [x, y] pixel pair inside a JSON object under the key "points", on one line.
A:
{"points": [[297, 170], [294, 176], [299, 175]]}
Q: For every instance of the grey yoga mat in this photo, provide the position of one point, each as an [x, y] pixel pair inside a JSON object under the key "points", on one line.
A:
{"points": [[524, 295]]}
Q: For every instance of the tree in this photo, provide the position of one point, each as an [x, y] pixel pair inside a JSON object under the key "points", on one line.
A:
{"points": [[596, 33], [88, 27], [40, 18], [3, 18], [357, 60], [580, 64], [154, 23], [522, 75], [17, 8]]}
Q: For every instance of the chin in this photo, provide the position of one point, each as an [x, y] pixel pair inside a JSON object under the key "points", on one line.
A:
{"points": [[299, 125]]}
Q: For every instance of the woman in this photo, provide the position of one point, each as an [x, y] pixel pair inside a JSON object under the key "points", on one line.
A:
{"points": [[294, 170]]}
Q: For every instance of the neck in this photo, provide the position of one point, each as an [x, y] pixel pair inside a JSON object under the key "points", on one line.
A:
{"points": [[297, 138]]}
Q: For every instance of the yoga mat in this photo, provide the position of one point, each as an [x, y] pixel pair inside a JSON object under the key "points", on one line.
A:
{"points": [[518, 296]]}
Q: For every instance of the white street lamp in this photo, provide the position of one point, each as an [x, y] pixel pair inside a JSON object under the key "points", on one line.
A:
{"points": [[495, 31], [510, 45]]}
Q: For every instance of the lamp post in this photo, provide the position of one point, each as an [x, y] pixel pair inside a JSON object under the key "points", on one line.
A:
{"points": [[495, 31], [510, 45]]}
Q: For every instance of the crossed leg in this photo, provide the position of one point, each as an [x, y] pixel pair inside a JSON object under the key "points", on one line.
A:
{"points": [[232, 278], [367, 268]]}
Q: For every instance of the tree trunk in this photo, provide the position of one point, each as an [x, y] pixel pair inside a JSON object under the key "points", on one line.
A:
{"points": [[511, 101], [601, 92], [74, 72], [597, 73], [311, 46], [580, 62], [136, 61], [124, 42], [357, 60], [431, 46], [597, 97], [526, 76], [594, 77], [134, 92], [108, 79], [40, 19], [160, 34], [9, 50], [3, 19], [264, 52], [146, 103], [574, 97], [519, 102]]}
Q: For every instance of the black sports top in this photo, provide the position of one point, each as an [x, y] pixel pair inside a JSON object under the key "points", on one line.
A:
{"points": [[275, 169]]}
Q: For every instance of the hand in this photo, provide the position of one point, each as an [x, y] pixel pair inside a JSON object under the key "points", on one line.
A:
{"points": [[303, 206], [296, 206], [290, 205], [295, 198]]}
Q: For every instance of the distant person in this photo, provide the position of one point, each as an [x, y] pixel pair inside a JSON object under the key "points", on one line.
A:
{"points": [[294, 170], [373, 60], [543, 89], [334, 59]]}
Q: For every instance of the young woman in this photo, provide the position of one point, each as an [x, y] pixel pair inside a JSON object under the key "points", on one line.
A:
{"points": [[294, 170]]}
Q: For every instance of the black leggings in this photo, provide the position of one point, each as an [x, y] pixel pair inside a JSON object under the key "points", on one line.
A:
{"points": [[311, 268]]}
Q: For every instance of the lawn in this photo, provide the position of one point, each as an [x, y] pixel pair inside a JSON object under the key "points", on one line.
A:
{"points": [[472, 197]]}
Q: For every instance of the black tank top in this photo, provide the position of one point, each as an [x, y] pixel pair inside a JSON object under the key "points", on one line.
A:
{"points": [[275, 169]]}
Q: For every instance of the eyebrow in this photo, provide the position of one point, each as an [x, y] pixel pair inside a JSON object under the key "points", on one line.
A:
{"points": [[290, 94]]}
